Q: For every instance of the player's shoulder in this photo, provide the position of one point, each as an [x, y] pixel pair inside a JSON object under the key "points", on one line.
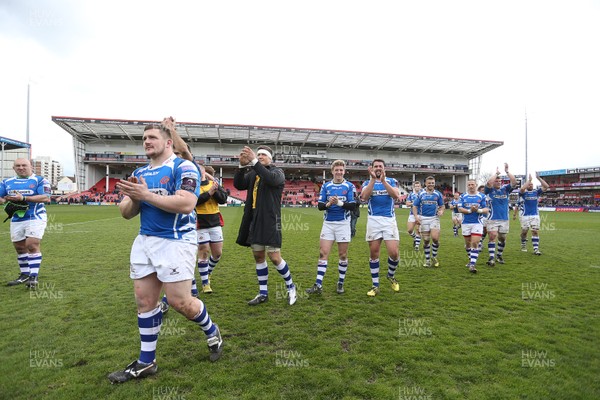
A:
{"points": [[139, 170], [391, 181], [328, 183], [349, 185], [184, 165], [365, 183], [187, 169], [40, 179]]}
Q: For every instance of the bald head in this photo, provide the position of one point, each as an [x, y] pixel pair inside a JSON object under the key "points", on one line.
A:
{"points": [[22, 168]]}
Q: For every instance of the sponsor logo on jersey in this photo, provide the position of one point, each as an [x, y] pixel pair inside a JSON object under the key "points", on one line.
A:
{"points": [[379, 193], [150, 173], [189, 184]]}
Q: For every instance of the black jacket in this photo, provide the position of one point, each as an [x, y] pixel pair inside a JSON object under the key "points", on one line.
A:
{"points": [[261, 225]]}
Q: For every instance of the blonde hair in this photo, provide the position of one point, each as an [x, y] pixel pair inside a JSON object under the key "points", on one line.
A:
{"points": [[338, 163]]}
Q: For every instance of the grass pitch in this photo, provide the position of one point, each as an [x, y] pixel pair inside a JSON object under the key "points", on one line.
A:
{"points": [[529, 329]]}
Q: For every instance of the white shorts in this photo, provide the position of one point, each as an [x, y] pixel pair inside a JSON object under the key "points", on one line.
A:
{"points": [[484, 222], [530, 222], [411, 218], [495, 225], [472, 229], [34, 228], [381, 228], [212, 235], [172, 260], [458, 215], [430, 223], [338, 231]]}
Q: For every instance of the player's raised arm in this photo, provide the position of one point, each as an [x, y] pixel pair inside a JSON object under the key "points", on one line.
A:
{"points": [[180, 147], [394, 192], [545, 185], [526, 184], [490, 182], [365, 193], [513, 179]]}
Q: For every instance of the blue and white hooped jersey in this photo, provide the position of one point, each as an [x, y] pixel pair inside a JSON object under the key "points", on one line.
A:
{"points": [[454, 205], [428, 203], [31, 186], [488, 204], [381, 204], [530, 202], [498, 202], [344, 191], [466, 201], [173, 175], [412, 196]]}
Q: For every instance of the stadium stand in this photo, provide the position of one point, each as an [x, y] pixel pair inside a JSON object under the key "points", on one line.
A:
{"points": [[304, 154], [572, 187]]}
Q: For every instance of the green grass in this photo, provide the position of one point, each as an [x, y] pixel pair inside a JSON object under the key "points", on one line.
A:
{"points": [[447, 335]]}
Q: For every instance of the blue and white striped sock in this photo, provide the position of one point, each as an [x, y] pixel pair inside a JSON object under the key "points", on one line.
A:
{"points": [[501, 246], [492, 250], [285, 273], [342, 268], [23, 260], [262, 273], [203, 320], [535, 241], [34, 260], [374, 266], [149, 324], [194, 288], [321, 269], [392, 266], [212, 263], [434, 249], [473, 256], [427, 251], [203, 268]]}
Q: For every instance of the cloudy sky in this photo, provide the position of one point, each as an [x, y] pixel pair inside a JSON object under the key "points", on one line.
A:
{"points": [[465, 69]]}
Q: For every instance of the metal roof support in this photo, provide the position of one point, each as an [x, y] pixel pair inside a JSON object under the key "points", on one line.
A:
{"points": [[382, 145], [332, 141], [125, 132], [430, 146]]}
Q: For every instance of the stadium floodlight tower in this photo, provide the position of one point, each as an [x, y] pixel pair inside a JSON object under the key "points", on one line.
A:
{"points": [[526, 174], [475, 167]]}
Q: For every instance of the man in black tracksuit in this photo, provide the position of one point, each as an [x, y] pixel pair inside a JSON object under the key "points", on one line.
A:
{"points": [[261, 224]]}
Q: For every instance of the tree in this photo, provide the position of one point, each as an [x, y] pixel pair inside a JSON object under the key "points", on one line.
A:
{"points": [[484, 177]]}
